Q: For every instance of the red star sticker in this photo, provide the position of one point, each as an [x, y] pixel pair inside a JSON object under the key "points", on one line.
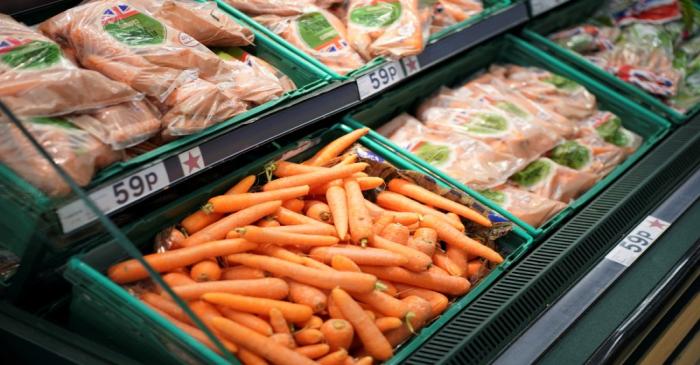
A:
{"points": [[192, 162], [657, 224], [411, 64]]}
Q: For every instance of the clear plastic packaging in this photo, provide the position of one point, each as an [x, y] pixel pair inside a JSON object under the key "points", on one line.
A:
{"points": [[450, 12], [36, 79], [588, 154], [258, 80], [122, 125], [530, 208], [273, 7], [608, 126], [548, 179]]}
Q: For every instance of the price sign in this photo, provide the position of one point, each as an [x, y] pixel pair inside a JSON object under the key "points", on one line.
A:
{"points": [[379, 79], [540, 6], [112, 197], [638, 241]]}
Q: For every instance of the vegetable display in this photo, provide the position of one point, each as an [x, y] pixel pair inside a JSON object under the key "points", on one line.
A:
{"points": [[345, 289]]}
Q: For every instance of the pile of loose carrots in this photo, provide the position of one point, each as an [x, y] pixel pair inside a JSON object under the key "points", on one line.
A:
{"points": [[313, 272]]}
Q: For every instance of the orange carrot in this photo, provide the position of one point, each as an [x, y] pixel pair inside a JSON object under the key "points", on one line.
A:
{"points": [[361, 256], [206, 270], [308, 336], [272, 288], [406, 218], [334, 358], [277, 321], [314, 178], [424, 240], [337, 203], [249, 358], [426, 196], [315, 322], [422, 314], [474, 267], [396, 232], [242, 273], [295, 205], [371, 337], [319, 211], [394, 201], [459, 258], [234, 203], [251, 321], [132, 270], [365, 182], [314, 229], [206, 312], [359, 219], [348, 159], [259, 344], [388, 323], [292, 312], [166, 305], [456, 221], [202, 218], [438, 302], [307, 295], [389, 288], [177, 279], [417, 261], [355, 282], [333, 310], [313, 351], [381, 222], [267, 223], [243, 186], [289, 218], [440, 259], [284, 339], [336, 147], [286, 168], [452, 236], [276, 237], [342, 263], [219, 229], [307, 261], [453, 285], [437, 270], [374, 210], [367, 360], [338, 333]]}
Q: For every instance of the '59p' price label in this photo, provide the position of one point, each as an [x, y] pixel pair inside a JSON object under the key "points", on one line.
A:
{"points": [[379, 79], [638, 241]]}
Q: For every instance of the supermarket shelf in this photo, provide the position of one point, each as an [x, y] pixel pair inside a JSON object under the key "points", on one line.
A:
{"points": [[127, 191]]}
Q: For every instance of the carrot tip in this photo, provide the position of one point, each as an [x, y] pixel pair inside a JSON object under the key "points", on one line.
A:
{"points": [[408, 318], [207, 208], [380, 286]]}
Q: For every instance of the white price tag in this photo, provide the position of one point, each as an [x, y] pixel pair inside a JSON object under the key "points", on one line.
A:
{"points": [[410, 65], [638, 241], [540, 6], [112, 197], [379, 79]]}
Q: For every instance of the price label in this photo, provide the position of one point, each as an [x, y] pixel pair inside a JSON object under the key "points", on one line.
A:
{"points": [[638, 241], [540, 6], [112, 197], [379, 79]]}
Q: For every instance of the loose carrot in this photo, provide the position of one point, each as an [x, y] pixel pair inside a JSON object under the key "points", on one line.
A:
{"points": [[234, 203], [388, 323], [313, 351], [406, 218], [206, 312], [474, 267], [314, 178], [314, 229], [459, 258], [336, 147], [243, 186], [315, 322], [202, 218], [334, 358], [453, 285], [249, 358], [338, 333], [289, 218], [271, 288], [359, 219], [206, 270], [440, 259], [177, 279], [456, 221], [259, 344], [295, 205], [277, 321], [284, 339], [266, 223], [361, 256], [424, 240], [280, 253], [422, 314], [277, 237], [338, 205], [286, 168], [438, 302], [166, 305], [394, 201], [219, 229], [307, 295], [292, 312], [320, 211], [132, 270], [396, 232], [342, 263], [367, 360], [333, 310], [251, 321], [425, 196], [437, 270], [308, 336], [381, 222], [416, 260], [389, 288], [374, 210], [370, 314], [242, 273], [315, 264], [355, 282], [365, 182], [452, 236], [372, 338], [348, 159]]}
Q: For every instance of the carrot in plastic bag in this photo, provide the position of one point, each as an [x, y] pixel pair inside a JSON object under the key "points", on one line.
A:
{"points": [[530, 208], [548, 179], [450, 12], [122, 125], [275, 7]]}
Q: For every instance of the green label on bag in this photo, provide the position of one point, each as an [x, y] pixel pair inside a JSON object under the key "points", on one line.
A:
{"points": [[53, 121], [571, 154], [533, 173], [612, 132], [561, 82], [484, 123], [129, 26], [431, 153], [28, 54], [318, 33], [497, 197], [379, 15], [511, 108]]}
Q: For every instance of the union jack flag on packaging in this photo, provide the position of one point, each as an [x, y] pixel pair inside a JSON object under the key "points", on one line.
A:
{"points": [[10, 43], [117, 13], [334, 45], [648, 11]]}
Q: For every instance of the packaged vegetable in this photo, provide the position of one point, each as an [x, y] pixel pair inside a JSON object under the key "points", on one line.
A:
{"points": [[274, 7], [318, 33], [468, 160], [587, 38], [36, 79], [265, 84], [450, 12], [608, 126], [122, 125], [530, 208], [548, 179], [589, 154], [201, 20]]}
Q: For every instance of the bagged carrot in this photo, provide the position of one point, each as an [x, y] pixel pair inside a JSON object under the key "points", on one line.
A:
{"points": [[123, 125], [553, 181], [531, 208], [450, 12], [275, 82], [276, 7]]}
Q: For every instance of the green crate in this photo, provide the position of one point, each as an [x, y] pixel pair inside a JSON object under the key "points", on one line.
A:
{"points": [[577, 12], [490, 7], [102, 309], [509, 49]]}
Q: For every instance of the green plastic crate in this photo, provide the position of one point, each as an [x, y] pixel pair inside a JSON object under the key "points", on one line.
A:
{"points": [[508, 49], [577, 12], [103, 310], [490, 7]]}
